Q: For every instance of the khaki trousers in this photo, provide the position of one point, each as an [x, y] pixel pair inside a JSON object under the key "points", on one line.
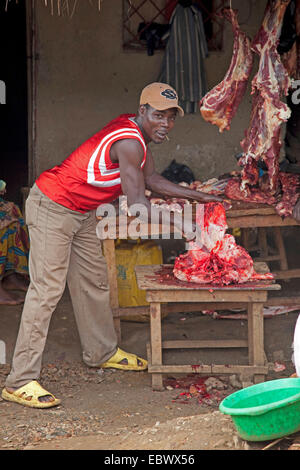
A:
{"points": [[63, 248]]}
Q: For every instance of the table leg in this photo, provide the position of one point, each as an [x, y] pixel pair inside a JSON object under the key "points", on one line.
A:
{"points": [[156, 343], [110, 256], [256, 352], [281, 249], [262, 242]]}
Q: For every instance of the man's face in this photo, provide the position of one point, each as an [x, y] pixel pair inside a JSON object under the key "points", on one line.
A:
{"points": [[157, 124]]}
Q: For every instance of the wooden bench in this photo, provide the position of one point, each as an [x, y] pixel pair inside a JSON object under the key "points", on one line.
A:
{"points": [[252, 295]]}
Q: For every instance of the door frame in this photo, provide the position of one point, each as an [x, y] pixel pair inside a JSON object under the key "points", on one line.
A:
{"points": [[32, 57]]}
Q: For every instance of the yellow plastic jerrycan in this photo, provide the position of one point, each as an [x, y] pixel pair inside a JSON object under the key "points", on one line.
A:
{"points": [[131, 253]]}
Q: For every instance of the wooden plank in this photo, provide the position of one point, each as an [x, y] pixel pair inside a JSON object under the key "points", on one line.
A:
{"points": [[161, 278], [205, 296], [239, 209], [199, 306], [247, 370], [288, 274], [274, 301], [207, 369], [109, 253], [269, 258], [178, 369], [260, 221], [248, 215], [204, 344], [180, 307], [177, 307]]}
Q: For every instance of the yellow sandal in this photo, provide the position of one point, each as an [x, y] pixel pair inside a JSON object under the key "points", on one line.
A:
{"points": [[29, 395], [132, 361]]}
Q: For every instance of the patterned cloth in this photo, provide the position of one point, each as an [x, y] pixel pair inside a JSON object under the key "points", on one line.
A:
{"points": [[183, 63], [14, 240]]}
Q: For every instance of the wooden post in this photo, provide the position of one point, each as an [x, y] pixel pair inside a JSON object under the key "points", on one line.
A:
{"points": [[281, 249], [256, 351], [156, 343], [262, 242], [110, 256]]}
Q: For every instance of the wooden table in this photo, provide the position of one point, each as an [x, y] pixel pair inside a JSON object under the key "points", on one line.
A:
{"points": [[161, 286], [241, 215], [261, 216]]}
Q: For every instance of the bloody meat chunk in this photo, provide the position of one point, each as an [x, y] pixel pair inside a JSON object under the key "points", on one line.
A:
{"points": [[215, 258]]}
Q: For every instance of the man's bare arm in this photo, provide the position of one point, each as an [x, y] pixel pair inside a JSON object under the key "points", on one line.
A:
{"points": [[158, 184], [130, 156]]}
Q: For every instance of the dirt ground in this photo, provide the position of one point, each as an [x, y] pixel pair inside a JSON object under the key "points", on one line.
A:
{"points": [[118, 410]]}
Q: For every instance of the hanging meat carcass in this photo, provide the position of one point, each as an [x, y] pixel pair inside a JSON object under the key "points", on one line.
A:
{"points": [[291, 58], [221, 103], [290, 185], [283, 203], [263, 137], [215, 258]]}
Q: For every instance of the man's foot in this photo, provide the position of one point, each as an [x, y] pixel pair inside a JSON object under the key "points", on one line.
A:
{"points": [[42, 399], [6, 298], [125, 361], [31, 394], [15, 281]]}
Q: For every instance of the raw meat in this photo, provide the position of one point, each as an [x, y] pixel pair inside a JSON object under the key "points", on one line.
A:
{"points": [[283, 203], [271, 26], [211, 219], [290, 185], [211, 186], [221, 103], [262, 139], [227, 263], [219, 261], [254, 194], [172, 204]]}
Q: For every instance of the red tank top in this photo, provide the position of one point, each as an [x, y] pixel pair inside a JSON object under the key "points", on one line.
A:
{"points": [[88, 178]]}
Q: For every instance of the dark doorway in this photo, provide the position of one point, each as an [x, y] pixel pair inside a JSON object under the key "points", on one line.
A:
{"points": [[13, 114]]}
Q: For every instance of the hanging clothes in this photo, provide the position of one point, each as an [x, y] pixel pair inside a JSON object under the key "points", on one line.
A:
{"points": [[183, 62]]}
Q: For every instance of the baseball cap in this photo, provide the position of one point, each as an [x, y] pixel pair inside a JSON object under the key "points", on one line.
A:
{"points": [[160, 96]]}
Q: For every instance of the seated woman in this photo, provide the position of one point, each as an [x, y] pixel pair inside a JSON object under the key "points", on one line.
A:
{"points": [[14, 249]]}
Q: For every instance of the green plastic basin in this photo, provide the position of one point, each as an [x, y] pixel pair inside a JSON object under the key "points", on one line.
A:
{"points": [[265, 411]]}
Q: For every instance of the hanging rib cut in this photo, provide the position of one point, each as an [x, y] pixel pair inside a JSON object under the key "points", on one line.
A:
{"points": [[220, 105], [263, 137]]}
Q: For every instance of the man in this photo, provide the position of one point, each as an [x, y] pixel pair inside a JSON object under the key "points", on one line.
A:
{"points": [[60, 213]]}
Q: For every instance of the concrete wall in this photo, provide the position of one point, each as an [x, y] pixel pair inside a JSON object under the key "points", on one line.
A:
{"points": [[84, 79]]}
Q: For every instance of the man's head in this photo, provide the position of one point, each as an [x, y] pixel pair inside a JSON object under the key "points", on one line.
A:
{"points": [[157, 111], [160, 96]]}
